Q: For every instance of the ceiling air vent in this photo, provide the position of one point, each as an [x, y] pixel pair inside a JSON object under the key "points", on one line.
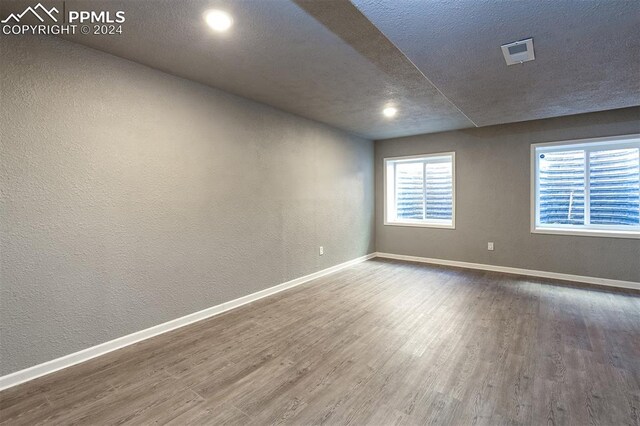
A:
{"points": [[518, 51]]}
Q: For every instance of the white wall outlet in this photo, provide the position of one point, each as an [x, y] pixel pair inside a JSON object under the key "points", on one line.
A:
{"points": [[321, 250], [490, 246]]}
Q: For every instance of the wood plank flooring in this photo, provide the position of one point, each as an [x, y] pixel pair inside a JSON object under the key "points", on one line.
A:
{"points": [[380, 343]]}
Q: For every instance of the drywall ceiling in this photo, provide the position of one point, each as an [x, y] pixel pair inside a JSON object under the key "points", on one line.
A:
{"points": [[438, 62], [587, 53], [321, 60]]}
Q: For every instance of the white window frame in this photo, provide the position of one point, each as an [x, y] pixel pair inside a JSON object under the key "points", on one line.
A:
{"points": [[428, 223], [588, 145]]}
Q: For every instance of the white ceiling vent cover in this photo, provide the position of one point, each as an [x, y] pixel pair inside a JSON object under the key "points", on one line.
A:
{"points": [[518, 51]]}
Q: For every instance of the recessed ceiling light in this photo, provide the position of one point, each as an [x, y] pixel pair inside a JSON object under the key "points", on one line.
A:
{"points": [[389, 111], [218, 20]]}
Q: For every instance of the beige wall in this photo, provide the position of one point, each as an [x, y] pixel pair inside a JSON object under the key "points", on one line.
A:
{"points": [[131, 197], [492, 200]]}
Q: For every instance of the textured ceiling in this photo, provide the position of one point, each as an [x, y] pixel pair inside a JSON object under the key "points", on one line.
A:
{"points": [[587, 53], [438, 62], [322, 60]]}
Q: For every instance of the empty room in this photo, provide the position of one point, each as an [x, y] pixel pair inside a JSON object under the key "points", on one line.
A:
{"points": [[302, 212]]}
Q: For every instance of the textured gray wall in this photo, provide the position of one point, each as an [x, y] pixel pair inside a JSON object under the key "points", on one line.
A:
{"points": [[131, 197], [492, 200]]}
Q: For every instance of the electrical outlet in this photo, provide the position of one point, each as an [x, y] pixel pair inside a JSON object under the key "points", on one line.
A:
{"points": [[490, 246], [321, 250]]}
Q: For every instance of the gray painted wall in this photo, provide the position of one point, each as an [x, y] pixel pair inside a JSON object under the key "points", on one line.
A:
{"points": [[492, 200], [131, 197]]}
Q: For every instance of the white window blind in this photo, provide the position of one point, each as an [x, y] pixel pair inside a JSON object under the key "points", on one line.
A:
{"points": [[587, 187], [419, 190]]}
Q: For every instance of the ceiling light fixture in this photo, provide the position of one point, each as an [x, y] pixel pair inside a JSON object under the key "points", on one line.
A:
{"points": [[389, 112], [218, 20]]}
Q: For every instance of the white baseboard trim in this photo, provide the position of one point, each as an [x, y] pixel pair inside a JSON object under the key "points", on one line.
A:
{"points": [[48, 367], [517, 271]]}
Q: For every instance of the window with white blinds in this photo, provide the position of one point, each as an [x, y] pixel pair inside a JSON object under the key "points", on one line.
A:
{"points": [[587, 187], [420, 190]]}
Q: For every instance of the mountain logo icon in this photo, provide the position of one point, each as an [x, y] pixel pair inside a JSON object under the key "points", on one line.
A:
{"points": [[34, 11]]}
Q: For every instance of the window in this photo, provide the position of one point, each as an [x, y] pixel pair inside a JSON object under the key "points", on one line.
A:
{"points": [[420, 190], [587, 187]]}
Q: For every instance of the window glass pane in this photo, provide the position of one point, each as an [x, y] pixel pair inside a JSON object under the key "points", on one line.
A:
{"points": [[409, 190], [561, 187], [614, 178], [439, 190]]}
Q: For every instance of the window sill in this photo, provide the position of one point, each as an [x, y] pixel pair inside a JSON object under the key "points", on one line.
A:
{"points": [[421, 225], [588, 232]]}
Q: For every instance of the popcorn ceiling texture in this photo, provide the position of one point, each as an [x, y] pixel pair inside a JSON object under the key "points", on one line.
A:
{"points": [[340, 62], [587, 53], [319, 59], [131, 197]]}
